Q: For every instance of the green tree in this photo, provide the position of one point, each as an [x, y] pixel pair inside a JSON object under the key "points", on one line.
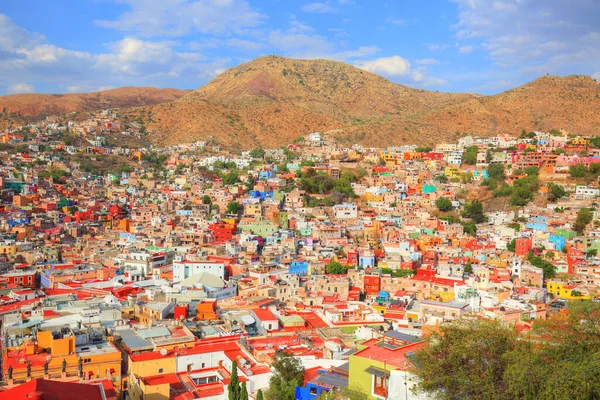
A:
{"points": [[336, 268], [233, 207], [206, 199], [584, 217], [548, 268], [288, 373], [555, 362], [556, 192], [233, 389], [496, 171], [578, 170], [475, 212], [231, 178], [243, 392], [470, 228], [470, 155], [423, 149], [591, 253], [443, 204], [468, 267], [511, 246], [465, 360], [257, 153], [259, 395]]}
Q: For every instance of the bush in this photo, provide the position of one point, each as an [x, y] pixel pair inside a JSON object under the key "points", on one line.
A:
{"points": [[443, 204]]}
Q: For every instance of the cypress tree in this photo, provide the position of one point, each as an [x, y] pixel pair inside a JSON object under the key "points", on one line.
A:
{"points": [[233, 388], [244, 392], [259, 395]]}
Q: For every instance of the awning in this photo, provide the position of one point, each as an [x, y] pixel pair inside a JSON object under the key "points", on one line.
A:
{"points": [[378, 372]]}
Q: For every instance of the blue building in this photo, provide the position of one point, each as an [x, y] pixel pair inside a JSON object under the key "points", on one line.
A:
{"points": [[326, 380], [298, 268], [537, 226], [366, 258], [559, 241], [265, 174]]}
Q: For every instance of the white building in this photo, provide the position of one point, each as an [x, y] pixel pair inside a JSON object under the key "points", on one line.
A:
{"points": [[185, 269], [345, 211], [586, 192]]}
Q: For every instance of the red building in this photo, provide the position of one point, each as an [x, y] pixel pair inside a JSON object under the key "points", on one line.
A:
{"points": [[23, 278], [522, 246], [222, 232], [372, 285], [352, 257]]}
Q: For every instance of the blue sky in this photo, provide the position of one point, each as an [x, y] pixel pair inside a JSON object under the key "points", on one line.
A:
{"points": [[483, 46]]}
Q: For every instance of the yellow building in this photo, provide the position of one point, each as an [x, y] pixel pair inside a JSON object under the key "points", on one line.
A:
{"points": [[452, 172], [9, 248], [581, 142], [99, 359], [388, 158], [145, 365], [565, 291], [253, 210]]}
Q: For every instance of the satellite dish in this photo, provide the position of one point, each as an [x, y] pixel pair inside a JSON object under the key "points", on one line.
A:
{"points": [[163, 352]]}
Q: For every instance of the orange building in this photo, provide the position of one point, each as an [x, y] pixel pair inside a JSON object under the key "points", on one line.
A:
{"points": [[207, 310]]}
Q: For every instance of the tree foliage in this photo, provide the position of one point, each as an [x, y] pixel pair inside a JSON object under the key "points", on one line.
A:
{"points": [[443, 204], [233, 389], [336, 268], [470, 155], [257, 153], [233, 207], [496, 171], [474, 211], [584, 217], [547, 266], [488, 359], [288, 373]]}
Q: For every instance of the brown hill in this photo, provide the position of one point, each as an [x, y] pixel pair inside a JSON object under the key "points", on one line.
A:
{"points": [[32, 105], [571, 103], [273, 100]]}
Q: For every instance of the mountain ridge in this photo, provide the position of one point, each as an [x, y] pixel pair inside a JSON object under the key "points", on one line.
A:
{"points": [[272, 101], [35, 104]]}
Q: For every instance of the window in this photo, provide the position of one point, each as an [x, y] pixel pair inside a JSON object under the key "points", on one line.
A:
{"points": [[160, 370]]}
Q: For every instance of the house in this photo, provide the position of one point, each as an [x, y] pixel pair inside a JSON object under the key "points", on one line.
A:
{"points": [[381, 369]]}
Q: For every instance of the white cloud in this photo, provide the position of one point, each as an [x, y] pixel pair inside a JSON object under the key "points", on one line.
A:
{"points": [[596, 76], [17, 88], [437, 47], [531, 37], [399, 70], [394, 66], [25, 56], [300, 44], [338, 32], [427, 61], [465, 49], [181, 17], [244, 44], [319, 8]]}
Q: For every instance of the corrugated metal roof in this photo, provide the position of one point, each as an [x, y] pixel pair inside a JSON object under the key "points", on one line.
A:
{"points": [[332, 380], [133, 341], [153, 332]]}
